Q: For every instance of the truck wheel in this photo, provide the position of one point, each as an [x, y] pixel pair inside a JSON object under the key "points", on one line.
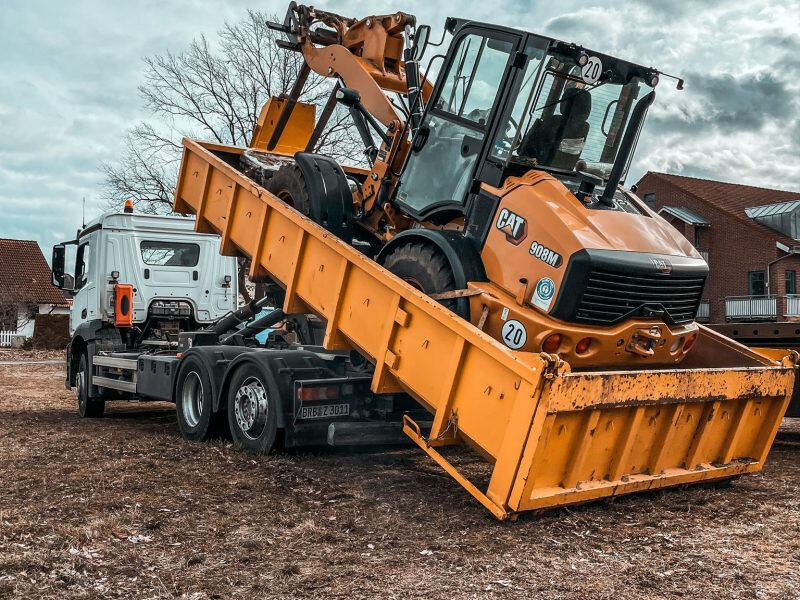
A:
{"points": [[425, 268], [252, 410], [194, 401], [88, 408]]}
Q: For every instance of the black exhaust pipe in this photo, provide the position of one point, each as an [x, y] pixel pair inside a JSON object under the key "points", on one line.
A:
{"points": [[625, 147]]}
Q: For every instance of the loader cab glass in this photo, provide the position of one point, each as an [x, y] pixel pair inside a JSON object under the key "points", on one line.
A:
{"points": [[443, 157], [574, 117]]}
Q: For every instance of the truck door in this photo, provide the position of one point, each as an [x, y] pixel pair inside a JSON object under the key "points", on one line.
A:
{"points": [[441, 165], [85, 305]]}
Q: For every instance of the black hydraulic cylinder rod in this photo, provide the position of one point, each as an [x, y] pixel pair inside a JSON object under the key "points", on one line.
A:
{"points": [[623, 154], [240, 315], [414, 91], [268, 320], [288, 107]]}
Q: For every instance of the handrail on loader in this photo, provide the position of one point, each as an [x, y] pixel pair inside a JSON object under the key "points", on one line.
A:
{"points": [[553, 436]]}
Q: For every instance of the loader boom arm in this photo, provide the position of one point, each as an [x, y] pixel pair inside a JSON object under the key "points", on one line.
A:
{"points": [[366, 54]]}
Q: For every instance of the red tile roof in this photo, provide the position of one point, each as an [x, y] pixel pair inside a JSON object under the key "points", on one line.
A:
{"points": [[25, 276], [732, 198]]}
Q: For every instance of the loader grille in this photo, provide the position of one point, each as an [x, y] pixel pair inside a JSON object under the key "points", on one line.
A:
{"points": [[610, 298]]}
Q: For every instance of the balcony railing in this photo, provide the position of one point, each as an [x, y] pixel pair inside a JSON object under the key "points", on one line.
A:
{"points": [[704, 311], [761, 308], [704, 254]]}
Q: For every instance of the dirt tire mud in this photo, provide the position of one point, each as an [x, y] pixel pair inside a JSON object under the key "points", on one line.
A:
{"points": [[88, 408], [252, 410]]}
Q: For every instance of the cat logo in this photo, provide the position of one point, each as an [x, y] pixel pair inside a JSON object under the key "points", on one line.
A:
{"points": [[662, 265], [514, 226]]}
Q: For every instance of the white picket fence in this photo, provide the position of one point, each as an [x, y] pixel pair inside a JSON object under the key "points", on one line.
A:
{"points": [[5, 337]]}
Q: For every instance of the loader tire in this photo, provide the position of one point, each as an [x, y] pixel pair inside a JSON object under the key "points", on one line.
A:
{"points": [[425, 268], [194, 401], [252, 409], [88, 408], [289, 185]]}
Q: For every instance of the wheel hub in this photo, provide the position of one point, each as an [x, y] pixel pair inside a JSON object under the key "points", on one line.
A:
{"points": [[192, 399], [80, 385], [251, 408]]}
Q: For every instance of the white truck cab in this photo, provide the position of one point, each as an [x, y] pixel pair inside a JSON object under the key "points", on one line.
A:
{"points": [[173, 270]]}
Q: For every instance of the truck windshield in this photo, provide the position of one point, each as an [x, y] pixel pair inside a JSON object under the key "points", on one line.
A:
{"points": [[571, 120], [170, 254]]}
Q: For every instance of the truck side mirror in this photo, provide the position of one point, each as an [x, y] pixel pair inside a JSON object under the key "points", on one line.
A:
{"points": [[421, 38], [59, 252]]}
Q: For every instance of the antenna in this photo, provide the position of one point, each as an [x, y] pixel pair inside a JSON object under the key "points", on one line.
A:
{"points": [[83, 211]]}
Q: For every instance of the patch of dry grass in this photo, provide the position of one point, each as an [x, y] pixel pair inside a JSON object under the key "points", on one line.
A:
{"points": [[121, 507]]}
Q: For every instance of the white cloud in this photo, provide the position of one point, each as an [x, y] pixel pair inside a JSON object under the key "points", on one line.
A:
{"points": [[69, 74]]}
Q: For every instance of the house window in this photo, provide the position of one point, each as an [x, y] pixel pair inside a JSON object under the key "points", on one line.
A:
{"points": [[650, 199], [696, 237], [791, 282], [755, 283]]}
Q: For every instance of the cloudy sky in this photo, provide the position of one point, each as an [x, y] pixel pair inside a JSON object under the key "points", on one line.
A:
{"points": [[69, 73]]}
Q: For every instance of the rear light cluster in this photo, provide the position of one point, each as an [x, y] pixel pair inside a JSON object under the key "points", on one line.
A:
{"points": [[553, 342], [323, 392]]}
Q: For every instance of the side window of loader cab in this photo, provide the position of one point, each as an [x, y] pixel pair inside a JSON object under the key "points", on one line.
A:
{"points": [[440, 168]]}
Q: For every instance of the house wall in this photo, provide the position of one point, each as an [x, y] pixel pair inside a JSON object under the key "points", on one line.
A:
{"points": [[735, 247], [25, 322]]}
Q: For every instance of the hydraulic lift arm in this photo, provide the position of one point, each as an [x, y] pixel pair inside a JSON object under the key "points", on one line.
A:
{"points": [[366, 54]]}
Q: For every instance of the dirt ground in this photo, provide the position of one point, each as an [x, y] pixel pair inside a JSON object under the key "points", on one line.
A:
{"points": [[121, 507]]}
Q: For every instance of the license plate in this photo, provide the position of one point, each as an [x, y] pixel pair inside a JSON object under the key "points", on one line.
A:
{"points": [[324, 411]]}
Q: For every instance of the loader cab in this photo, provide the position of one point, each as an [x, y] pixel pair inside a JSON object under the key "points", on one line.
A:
{"points": [[506, 102]]}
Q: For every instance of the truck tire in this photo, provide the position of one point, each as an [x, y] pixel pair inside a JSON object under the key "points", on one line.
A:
{"points": [[194, 401], [252, 409], [88, 408], [425, 268]]}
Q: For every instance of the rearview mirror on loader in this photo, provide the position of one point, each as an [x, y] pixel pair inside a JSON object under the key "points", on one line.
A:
{"points": [[421, 38]]}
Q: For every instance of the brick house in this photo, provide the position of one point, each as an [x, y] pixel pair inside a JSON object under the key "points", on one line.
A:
{"points": [[28, 301], [750, 237]]}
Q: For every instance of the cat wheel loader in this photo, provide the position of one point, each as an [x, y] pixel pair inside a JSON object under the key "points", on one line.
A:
{"points": [[484, 263]]}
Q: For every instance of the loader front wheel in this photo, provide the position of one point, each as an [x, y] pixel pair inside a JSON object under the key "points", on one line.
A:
{"points": [[88, 408], [425, 268], [252, 410]]}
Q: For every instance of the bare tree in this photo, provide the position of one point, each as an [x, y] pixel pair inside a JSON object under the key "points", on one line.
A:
{"points": [[213, 91]]}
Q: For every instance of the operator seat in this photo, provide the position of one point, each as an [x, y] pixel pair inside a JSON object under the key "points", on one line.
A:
{"points": [[558, 140]]}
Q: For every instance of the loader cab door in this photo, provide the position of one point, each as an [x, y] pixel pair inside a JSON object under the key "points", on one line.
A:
{"points": [[470, 90]]}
